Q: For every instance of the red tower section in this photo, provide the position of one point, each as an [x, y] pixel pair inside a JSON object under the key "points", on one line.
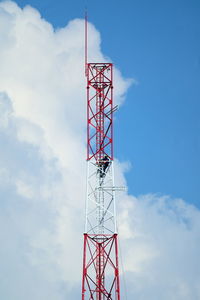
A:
{"points": [[100, 268], [99, 111]]}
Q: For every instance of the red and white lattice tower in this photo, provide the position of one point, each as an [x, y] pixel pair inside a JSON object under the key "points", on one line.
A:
{"points": [[100, 279]]}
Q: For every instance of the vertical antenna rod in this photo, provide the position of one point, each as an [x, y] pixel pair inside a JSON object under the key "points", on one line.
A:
{"points": [[86, 40]]}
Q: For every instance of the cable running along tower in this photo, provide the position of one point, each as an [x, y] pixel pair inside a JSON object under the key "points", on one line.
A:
{"points": [[100, 279]]}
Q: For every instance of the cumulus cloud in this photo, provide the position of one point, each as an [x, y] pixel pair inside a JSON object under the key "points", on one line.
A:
{"points": [[42, 175], [161, 247]]}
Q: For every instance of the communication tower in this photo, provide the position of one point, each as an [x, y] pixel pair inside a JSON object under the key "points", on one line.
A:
{"points": [[100, 279]]}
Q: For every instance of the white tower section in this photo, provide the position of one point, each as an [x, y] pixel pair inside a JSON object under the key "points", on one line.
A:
{"points": [[100, 202]]}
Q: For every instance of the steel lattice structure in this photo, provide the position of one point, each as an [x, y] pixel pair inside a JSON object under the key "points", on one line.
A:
{"points": [[100, 279]]}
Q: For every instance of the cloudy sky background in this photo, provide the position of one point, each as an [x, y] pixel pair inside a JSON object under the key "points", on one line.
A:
{"points": [[42, 176]]}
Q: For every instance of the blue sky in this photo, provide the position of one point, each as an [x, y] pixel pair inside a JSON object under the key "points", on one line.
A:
{"points": [[158, 44]]}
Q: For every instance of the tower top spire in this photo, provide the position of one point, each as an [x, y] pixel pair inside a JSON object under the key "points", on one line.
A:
{"points": [[86, 40]]}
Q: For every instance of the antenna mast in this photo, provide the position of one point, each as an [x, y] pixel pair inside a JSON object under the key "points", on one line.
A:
{"points": [[100, 279]]}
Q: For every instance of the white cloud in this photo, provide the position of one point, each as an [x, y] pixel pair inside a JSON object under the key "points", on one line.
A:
{"points": [[5, 111], [24, 189], [162, 255], [42, 176]]}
